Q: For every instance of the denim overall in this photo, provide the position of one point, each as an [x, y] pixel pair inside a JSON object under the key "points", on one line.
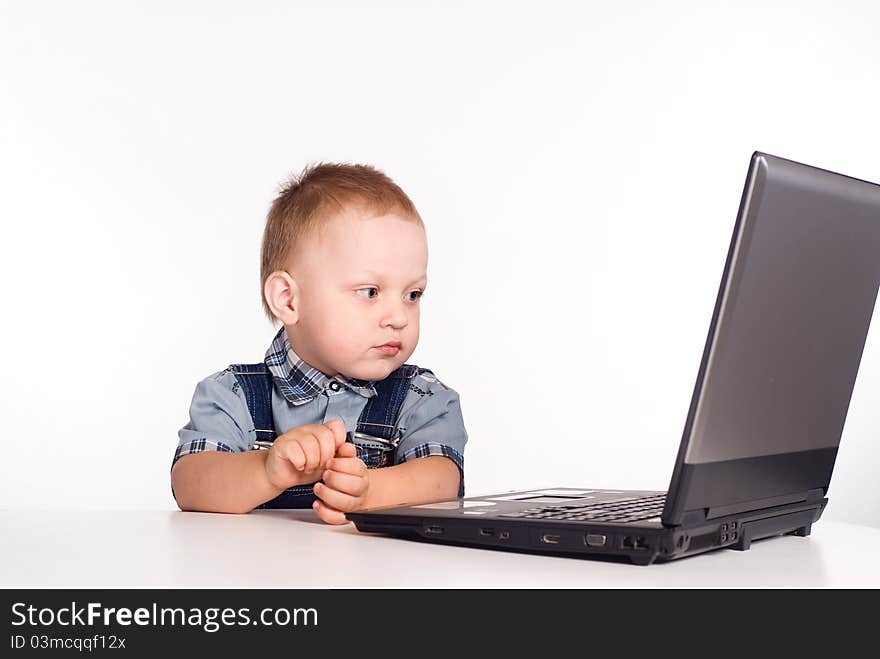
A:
{"points": [[377, 420]]}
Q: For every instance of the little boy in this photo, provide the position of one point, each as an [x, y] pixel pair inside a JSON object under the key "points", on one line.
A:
{"points": [[333, 419]]}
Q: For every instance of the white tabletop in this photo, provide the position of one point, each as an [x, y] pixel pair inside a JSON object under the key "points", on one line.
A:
{"points": [[292, 549]]}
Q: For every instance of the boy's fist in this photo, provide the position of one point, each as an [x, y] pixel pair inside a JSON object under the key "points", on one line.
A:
{"points": [[345, 487], [299, 455]]}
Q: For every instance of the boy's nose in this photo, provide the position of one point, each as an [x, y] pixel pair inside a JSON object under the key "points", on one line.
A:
{"points": [[395, 317], [397, 321]]}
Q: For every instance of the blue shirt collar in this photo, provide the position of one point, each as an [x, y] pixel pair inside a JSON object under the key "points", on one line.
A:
{"points": [[299, 382]]}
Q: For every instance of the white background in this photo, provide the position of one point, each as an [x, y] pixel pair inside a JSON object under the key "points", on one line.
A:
{"points": [[578, 167]]}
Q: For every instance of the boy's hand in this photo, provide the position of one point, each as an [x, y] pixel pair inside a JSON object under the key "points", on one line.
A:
{"points": [[299, 455], [345, 487]]}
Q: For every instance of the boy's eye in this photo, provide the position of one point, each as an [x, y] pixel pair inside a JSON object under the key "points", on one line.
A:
{"points": [[369, 293]]}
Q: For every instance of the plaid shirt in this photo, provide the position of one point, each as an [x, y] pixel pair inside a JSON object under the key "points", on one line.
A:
{"points": [[430, 420]]}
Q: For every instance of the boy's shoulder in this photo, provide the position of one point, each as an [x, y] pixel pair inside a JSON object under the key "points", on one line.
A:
{"points": [[425, 385], [223, 381]]}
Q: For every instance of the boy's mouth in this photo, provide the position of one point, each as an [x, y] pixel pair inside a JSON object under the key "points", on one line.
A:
{"points": [[390, 348]]}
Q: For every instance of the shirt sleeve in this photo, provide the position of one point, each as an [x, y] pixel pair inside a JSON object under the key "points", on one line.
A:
{"points": [[218, 418], [433, 425]]}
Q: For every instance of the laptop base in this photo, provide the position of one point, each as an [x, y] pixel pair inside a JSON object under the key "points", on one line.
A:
{"points": [[640, 544]]}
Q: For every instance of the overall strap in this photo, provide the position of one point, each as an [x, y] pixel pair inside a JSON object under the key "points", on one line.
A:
{"points": [[256, 384], [380, 417]]}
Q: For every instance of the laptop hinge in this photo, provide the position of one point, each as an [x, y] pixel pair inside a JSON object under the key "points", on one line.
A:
{"points": [[694, 517], [759, 504]]}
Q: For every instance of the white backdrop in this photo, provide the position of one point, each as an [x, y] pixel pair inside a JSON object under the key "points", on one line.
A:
{"points": [[578, 168]]}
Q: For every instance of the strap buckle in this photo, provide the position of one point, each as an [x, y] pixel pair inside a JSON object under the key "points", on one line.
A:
{"points": [[357, 438], [370, 441]]}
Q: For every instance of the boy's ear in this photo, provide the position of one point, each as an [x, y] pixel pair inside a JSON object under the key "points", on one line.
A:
{"points": [[282, 296]]}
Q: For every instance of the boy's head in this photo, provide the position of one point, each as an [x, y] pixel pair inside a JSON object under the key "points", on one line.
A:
{"points": [[344, 263]]}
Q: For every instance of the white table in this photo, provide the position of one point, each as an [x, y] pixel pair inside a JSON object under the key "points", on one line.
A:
{"points": [[292, 549]]}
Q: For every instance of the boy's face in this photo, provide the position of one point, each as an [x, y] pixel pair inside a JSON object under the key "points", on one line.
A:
{"points": [[357, 280]]}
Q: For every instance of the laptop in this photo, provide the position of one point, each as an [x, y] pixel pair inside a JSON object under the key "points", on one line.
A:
{"points": [[772, 392]]}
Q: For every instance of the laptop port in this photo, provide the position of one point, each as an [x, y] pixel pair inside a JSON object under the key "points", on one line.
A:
{"points": [[595, 540], [434, 530], [550, 539], [487, 532], [504, 535], [633, 542]]}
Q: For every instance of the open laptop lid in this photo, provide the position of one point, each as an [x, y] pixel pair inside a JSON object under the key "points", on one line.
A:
{"points": [[784, 345]]}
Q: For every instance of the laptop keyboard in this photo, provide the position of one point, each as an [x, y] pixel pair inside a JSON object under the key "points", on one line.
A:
{"points": [[623, 510]]}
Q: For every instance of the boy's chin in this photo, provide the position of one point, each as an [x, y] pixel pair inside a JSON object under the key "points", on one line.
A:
{"points": [[377, 371]]}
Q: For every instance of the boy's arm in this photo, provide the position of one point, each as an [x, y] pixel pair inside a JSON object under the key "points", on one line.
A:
{"points": [[349, 486], [422, 480], [237, 482], [215, 481]]}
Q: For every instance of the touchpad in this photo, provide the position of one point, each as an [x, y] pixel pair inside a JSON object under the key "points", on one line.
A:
{"points": [[543, 498]]}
